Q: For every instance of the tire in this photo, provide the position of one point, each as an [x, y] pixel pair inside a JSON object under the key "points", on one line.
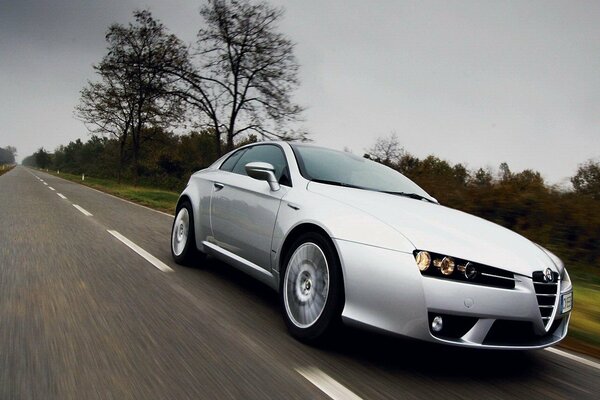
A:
{"points": [[311, 288], [183, 239]]}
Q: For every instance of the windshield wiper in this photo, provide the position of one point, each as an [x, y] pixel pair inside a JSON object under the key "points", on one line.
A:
{"points": [[410, 195], [404, 194], [336, 183]]}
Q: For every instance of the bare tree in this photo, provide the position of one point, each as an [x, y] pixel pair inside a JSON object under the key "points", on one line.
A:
{"points": [[243, 72], [107, 110], [387, 150], [134, 91]]}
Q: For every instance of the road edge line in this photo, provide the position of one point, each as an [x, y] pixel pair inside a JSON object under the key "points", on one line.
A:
{"points": [[125, 200], [327, 384], [573, 357]]}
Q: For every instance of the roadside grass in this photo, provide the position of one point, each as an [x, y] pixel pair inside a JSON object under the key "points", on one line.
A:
{"points": [[584, 328], [5, 168], [158, 199]]}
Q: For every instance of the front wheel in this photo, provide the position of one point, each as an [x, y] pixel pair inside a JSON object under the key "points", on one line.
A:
{"points": [[311, 289], [183, 241]]}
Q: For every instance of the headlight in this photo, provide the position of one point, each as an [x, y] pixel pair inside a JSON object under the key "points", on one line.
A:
{"points": [[447, 266], [469, 269], [423, 260], [437, 265]]}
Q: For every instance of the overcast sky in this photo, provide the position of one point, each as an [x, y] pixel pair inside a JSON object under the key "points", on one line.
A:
{"points": [[478, 82]]}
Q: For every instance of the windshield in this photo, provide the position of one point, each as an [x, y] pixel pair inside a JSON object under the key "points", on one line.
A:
{"points": [[346, 169]]}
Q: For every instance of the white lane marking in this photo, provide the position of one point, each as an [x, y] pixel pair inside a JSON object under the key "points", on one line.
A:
{"points": [[327, 384], [573, 357], [45, 183], [83, 210], [61, 196], [147, 256], [51, 188]]}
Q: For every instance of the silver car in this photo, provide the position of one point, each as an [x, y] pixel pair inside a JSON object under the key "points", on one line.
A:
{"points": [[343, 238]]}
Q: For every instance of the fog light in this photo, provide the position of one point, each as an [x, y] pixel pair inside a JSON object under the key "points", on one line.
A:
{"points": [[423, 260], [437, 324], [447, 266]]}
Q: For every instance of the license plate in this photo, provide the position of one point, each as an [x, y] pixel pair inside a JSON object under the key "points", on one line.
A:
{"points": [[566, 302]]}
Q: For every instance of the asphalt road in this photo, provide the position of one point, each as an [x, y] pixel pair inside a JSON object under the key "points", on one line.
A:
{"points": [[83, 316]]}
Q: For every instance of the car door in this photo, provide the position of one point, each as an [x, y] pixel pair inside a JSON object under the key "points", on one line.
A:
{"points": [[243, 210]]}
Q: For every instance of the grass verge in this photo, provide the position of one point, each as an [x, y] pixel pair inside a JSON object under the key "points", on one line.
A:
{"points": [[158, 199], [584, 329], [5, 168]]}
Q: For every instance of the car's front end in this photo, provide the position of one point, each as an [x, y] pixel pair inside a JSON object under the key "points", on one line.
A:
{"points": [[477, 305], [491, 308], [447, 276]]}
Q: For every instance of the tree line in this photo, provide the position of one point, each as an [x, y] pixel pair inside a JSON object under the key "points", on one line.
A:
{"points": [[165, 162]]}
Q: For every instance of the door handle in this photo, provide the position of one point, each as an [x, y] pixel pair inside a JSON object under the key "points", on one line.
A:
{"points": [[293, 206], [218, 186]]}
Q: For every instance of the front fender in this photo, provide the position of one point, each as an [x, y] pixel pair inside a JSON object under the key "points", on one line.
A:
{"points": [[199, 192], [338, 220]]}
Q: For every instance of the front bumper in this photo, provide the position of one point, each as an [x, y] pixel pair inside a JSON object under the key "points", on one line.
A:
{"points": [[481, 316], [385, 290]]}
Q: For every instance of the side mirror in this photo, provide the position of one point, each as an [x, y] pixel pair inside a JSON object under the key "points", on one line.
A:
{"points": [[263, 172]]}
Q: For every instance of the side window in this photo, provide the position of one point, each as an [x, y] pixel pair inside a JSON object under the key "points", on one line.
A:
{"points": [[265, 153], [230, 162]]}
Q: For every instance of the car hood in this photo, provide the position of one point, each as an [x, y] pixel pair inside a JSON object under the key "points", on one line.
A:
{"points": [[444, 230]]}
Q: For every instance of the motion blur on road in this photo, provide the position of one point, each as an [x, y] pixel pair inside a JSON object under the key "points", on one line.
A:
{"points": [[84, 316]]}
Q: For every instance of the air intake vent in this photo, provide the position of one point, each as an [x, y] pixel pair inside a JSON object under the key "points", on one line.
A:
{"points": [[546, 291]]}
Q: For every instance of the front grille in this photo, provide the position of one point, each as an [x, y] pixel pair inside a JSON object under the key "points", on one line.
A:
{"points": [[520, 333], [547, 293]]}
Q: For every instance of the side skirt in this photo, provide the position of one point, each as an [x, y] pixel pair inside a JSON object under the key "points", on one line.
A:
{"points": [[242, 264]]}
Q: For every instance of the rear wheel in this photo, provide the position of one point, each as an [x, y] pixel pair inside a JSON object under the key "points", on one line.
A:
{"points": [[311, 288], [183, 241]]}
